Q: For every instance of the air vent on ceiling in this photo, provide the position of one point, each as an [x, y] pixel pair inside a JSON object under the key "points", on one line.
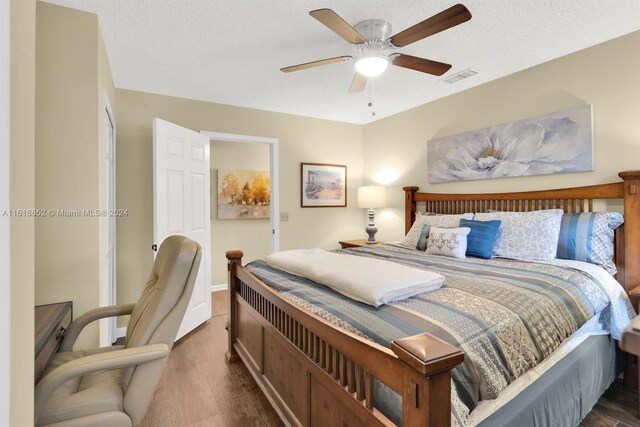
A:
{"points": [[459, 76]]}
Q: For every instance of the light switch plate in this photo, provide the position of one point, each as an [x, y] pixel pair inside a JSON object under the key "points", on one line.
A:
{"points": [[284, 216]]}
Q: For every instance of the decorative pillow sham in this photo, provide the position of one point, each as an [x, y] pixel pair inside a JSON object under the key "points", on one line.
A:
{"points": [[589, 237], [482, 237], [526, 235], [412, 237], [451, 242]]}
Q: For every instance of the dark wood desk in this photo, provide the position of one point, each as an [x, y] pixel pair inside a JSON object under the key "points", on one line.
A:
{"points": [[51, 321]]}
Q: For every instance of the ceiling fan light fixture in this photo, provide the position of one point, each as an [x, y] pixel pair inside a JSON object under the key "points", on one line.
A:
{"points": [[371, 66]]}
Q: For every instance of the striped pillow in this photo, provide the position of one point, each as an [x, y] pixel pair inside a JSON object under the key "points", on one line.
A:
{"points": [[424, 237], [589, 237]]}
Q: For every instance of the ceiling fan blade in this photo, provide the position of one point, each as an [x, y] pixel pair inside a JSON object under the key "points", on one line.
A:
{"points": [[315, 64], [358, 83], [444, 20], [421, 64], [335, 23]]}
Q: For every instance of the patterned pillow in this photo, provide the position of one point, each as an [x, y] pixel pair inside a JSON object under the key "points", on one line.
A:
{"points": [[412, 237], [526, 235], [589, 237], [451, 242]]}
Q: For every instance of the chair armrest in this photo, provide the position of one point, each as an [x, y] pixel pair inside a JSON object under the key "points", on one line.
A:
{"points": [[95, 363], [74, 329]]}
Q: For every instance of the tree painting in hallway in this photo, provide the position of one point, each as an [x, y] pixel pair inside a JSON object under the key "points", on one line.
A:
{"points": [[243, 194]]}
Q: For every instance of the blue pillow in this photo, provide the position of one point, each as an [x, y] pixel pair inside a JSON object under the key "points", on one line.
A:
{"points": [[424, 237], [482, 237], [588, 237]]}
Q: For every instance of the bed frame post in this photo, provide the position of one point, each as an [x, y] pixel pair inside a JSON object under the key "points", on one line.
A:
{"points": [[409, 207], [631, 229], [234, 260], [427, 363]]}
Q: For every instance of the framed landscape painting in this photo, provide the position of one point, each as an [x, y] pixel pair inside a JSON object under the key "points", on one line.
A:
{"points": [[323, 185], [243, 194], [559, 142]]}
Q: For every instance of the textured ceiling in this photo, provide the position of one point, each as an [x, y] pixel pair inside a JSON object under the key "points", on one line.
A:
{"points": [[230, 51]]}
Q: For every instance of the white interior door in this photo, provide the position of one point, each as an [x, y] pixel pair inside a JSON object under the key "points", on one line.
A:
{"points": [[181, 204]]}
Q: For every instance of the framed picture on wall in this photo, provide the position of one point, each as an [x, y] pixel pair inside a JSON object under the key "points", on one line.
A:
{"points": [[558, 142], [243, 194], [323, 185]]}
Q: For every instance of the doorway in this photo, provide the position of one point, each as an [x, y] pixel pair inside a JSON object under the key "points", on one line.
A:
{"points": [[108, 293], [273, 227]]}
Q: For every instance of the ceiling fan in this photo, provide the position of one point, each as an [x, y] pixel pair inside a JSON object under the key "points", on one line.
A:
{"points": [[375, 49]]}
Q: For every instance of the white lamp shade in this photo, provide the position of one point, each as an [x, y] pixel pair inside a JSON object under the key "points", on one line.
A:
{"points": [[372, 196]]}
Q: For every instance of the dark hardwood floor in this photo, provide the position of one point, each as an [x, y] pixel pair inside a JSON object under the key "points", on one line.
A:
{"points": [[198, 388], [616, 408]]}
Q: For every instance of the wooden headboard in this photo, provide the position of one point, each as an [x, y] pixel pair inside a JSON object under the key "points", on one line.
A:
{"points": [[576, 199]]}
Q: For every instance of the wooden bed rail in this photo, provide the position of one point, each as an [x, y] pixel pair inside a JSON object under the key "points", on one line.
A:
{"points": [[317, 374], [570, 200]]}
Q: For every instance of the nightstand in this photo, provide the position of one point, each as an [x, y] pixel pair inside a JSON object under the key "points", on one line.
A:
{"points": [[635, 293], [630, 343], [356, 243]]}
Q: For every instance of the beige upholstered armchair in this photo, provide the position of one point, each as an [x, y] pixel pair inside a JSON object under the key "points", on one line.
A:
{"points": [[113, 386]]}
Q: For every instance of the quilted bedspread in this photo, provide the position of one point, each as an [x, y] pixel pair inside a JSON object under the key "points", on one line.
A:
{"points": [[506, 315]]}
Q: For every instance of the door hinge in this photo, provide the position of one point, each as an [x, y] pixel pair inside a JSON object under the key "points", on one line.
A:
{"points": [[154, 247]]}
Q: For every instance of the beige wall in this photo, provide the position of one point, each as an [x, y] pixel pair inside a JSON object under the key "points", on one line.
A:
{"points": [[71, 77], [252, 235], [301, 140], [23, 38], [606, 76]]}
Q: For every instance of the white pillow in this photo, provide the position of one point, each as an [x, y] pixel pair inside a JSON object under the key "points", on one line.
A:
{"points": [[447, 221], [526, 235], [451, 242]]}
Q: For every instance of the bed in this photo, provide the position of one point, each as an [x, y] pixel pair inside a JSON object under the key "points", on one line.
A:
{"points": [[319, 368]]}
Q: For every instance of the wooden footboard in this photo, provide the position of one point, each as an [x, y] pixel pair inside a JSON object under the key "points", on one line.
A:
{"points": [[316, 374]]}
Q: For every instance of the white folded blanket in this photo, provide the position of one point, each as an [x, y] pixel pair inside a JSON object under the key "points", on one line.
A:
{"points": [[372, 281]]}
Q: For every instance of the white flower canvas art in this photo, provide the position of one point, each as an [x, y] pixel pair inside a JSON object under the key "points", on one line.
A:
{"points": [[559, 142]]}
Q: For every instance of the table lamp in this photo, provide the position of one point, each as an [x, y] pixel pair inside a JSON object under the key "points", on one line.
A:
{"points": [[371, 197]]}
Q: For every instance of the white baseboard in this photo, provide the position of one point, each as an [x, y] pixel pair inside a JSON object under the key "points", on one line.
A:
{"points": [[221, 287]]}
